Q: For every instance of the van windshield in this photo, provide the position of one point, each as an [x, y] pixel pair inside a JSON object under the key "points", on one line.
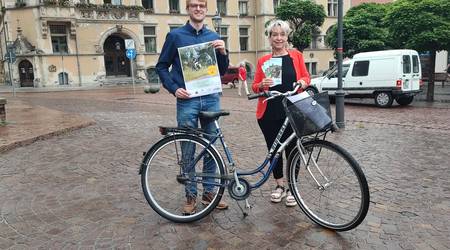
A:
{"points": [[332, 73]]}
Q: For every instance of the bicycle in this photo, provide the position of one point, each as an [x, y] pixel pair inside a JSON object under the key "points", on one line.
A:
{"points": [[320, 173]]}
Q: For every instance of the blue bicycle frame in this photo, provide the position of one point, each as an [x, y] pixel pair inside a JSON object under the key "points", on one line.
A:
{"points": [[260, 168]]}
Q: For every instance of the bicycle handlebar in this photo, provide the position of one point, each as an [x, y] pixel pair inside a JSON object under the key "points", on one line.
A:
{"points": [[273, 93]]}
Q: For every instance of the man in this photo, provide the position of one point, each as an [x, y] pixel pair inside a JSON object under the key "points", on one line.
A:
{"points": [[242, 79], [188, 108]]}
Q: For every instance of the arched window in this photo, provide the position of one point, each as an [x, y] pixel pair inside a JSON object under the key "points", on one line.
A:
{"points": [[63, 78], [152, 75]]}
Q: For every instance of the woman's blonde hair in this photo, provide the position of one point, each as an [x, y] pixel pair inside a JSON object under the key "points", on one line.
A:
{"points": [[277, 22]]}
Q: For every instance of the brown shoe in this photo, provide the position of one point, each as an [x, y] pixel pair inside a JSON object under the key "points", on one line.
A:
{"points": [[189, 207], [207, 198]]}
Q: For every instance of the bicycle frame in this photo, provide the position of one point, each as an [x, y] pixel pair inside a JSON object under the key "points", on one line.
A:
{"points": [[260, 169]]}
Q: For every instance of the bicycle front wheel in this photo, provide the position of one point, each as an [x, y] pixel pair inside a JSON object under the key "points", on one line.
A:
{"points": [[330, 188], [181, 166]]}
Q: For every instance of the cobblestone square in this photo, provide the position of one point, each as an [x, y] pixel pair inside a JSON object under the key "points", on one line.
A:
{"points": [[81, 189]]}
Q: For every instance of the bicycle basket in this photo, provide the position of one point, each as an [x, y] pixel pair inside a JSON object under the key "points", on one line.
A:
{"points": [[309, 115]]}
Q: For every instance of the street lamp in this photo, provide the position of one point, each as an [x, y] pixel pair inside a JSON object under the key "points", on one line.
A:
{"points": [[217, 21], [340, 121]]}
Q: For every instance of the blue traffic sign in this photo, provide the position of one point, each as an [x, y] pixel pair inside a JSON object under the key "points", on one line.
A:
{"points": [[10, 56], [131, 53]]}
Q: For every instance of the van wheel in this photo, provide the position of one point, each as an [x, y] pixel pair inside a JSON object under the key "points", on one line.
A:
{"points": [[235, 82], [383, 99], [311, 91], [404, 100]]}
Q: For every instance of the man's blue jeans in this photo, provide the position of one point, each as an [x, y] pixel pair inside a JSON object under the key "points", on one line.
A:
{"points": [[188, 116]]}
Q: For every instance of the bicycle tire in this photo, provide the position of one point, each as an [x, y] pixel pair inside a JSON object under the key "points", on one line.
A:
{"points": [[164, 192], [343, 204]]}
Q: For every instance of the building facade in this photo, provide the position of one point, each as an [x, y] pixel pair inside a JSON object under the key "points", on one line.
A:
{"points": [[82, 43]]}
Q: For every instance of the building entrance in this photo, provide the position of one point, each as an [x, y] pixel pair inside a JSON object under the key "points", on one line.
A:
{"points": [[26, 74], [116, 62]]}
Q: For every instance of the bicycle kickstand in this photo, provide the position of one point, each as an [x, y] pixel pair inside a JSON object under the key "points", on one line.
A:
{"points": [[247, 207]]}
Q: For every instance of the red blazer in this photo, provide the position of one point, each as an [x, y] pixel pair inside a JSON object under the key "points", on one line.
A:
{"points": [[300, 70]]}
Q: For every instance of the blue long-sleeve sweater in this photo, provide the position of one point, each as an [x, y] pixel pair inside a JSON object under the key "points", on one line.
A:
{"points": [[181, 37]]}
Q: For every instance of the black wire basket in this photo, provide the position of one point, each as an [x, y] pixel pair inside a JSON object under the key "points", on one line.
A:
{"points": [[309, 115]]}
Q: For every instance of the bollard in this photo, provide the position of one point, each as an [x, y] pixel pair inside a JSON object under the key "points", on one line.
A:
{"points": [[2, 109]]}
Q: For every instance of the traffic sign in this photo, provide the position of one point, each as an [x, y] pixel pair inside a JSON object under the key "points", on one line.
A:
{"points": [[131, 53], [129, 44], [10, 56]]}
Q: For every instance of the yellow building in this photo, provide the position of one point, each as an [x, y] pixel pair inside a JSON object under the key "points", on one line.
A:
{"points": [[82, 43]]}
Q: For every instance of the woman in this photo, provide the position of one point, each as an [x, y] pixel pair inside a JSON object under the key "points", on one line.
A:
{"points": [[271, 115]]}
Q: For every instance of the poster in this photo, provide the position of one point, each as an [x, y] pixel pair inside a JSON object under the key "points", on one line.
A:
{"points": [[200, 70]]}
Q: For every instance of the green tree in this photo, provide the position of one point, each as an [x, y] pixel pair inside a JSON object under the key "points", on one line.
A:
{"points": [[363, 30], [423, 25], [305, 17]]}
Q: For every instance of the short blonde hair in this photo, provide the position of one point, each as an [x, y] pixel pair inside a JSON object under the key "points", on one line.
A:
{"points": [[277, 22], [203, 1]]}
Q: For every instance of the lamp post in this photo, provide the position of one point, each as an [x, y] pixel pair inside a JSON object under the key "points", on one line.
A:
{"points": [[340, 122], [217, 21]]}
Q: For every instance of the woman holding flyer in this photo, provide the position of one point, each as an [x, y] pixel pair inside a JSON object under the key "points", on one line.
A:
{"points": [[277, 71]]}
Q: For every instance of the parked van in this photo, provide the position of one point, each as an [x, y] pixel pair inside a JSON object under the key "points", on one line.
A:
{"points": [[383, 75]]}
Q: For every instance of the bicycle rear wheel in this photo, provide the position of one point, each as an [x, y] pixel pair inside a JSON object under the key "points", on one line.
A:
{"points": [[339, 197], [169, 173]]}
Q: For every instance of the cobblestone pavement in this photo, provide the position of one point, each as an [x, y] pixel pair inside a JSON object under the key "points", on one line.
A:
{"points": [[81, 190]]}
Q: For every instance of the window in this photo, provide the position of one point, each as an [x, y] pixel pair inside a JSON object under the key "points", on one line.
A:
{"points": [[334, 71], [332, 7], [243, 39], [222, 7], [360, 68], [150, 39], [63, 78], [152, 75], [174, 6], [224, 35], [172, 27], [147, 4], [315, 41], [243, 8], [312, 68], [276, 3], [59, 38], [106, 1], [331, 64], [406, 64], [415, 64], [116, 2]]}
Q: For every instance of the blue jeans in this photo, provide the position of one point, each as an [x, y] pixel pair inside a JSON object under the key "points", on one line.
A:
{"points": [[188, 116]]}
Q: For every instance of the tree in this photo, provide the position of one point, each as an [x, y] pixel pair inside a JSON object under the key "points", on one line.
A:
{"points": [[363, 30], [423, 25], [305, 17]]}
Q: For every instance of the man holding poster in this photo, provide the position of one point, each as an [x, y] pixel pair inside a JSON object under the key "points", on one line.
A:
{"points": [[203, 54]]}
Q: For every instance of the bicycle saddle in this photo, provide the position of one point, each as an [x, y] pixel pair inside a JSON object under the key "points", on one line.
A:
{"points": [[213, 115]]}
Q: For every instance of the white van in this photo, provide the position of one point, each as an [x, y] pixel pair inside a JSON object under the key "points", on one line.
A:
{"points": [[382, 75]]}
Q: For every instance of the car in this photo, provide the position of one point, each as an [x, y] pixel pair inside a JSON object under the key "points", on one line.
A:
{"points": [[384, 76], [231, 77]]}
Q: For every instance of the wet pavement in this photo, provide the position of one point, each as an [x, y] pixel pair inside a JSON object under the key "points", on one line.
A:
{"points": [[80, 189]]}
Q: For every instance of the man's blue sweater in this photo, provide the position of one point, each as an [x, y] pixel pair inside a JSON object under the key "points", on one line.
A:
{"points": [[181, 37]]}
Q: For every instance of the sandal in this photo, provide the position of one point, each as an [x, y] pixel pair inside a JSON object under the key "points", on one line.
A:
{"points": [[277, 194], [290, 199]]}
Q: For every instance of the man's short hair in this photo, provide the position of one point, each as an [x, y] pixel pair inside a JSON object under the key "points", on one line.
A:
{"points": [[189, 1]]}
